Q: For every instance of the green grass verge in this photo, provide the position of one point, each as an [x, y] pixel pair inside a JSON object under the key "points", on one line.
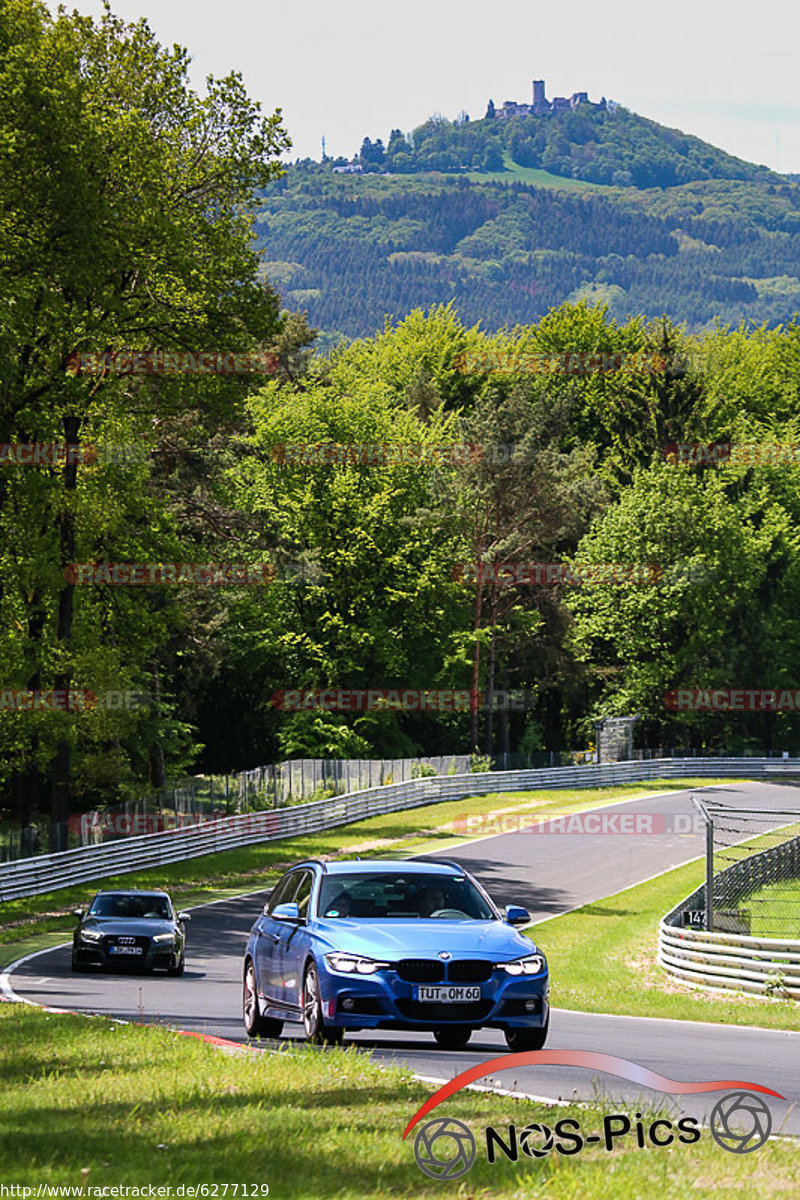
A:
{"points": [[87, 1102], [603, 959], [775, 910], [232, 872]]}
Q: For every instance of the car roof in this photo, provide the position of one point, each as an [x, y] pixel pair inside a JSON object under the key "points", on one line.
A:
{"points": [[385, 866], [130, 892]]}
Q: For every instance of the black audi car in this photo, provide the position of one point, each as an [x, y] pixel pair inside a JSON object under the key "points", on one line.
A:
{"points": [[130, 929]]}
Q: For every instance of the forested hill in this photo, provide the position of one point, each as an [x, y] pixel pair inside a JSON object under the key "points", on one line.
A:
{"points": [[419, 227], [611, 146], [353, 249]]}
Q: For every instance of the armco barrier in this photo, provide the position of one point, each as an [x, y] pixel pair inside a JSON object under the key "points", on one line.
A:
{"points": [[765, 966], [49, 872], [734, 961]]}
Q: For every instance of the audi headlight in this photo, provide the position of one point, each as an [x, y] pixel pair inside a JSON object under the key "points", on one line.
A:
{"points": [[353, 964], [164, 937], [90, 935], [532, 964]]}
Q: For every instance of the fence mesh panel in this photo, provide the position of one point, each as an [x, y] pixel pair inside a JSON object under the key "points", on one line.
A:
{"points": [[754, 857]]}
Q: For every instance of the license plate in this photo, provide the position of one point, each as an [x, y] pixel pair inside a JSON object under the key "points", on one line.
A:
{"points": [[447, 995], [124, 949]]}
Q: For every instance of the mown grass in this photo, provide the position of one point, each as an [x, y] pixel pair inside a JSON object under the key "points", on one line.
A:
{"points": [[90, 1102], [603, 959], [513, 173], [775, 910]]}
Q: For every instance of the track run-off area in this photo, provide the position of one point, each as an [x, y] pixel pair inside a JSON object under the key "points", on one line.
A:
{"points": [[549, 875]]}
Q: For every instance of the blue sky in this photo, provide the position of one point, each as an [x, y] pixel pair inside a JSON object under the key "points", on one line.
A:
{"points": [[724, 71]]}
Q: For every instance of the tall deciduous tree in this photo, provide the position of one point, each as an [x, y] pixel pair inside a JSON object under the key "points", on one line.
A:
{"points": [[125, 223]]}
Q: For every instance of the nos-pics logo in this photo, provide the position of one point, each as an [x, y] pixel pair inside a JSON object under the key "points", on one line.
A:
{"points": [[445, 1148]]}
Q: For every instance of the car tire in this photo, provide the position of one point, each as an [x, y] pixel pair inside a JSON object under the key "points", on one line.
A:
{"points": [[316, 1029], [254, 1024], [527, 1038], [179, 967], [78, 966], [453, 1038]]}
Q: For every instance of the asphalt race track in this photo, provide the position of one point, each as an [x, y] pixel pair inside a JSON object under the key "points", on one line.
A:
{"points": [[549, 875]]}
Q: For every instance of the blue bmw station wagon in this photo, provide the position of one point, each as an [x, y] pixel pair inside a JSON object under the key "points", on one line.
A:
{"points": [[393, 945]]}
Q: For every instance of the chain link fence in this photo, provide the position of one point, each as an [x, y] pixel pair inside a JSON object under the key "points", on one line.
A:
{"points": [[302, 779], [197, 799], [189, 803], [752, 872]]}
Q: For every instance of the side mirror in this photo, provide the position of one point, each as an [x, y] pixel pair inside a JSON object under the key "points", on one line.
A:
{"points": [[182, 916], [516, 915], [286, 912], [78, 912]]}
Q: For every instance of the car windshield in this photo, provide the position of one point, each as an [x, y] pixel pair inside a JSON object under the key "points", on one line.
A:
{"points": [[133, 907], [385, 896]]}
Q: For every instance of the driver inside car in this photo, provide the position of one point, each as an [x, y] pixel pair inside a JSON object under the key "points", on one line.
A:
{"points": [[342, 906], [433, 899]]}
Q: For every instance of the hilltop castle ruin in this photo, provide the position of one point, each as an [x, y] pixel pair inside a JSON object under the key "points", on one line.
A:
{"points": [[541, 105]]}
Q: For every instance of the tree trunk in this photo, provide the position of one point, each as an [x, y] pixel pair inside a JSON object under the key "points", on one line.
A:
{"points": [[158, 775], [476, 668], [66, 534], [502, 720], [27, 780], [489, 718]]}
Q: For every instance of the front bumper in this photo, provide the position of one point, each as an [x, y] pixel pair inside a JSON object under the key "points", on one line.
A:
{"points": [[385, 1001], [105, 954]]}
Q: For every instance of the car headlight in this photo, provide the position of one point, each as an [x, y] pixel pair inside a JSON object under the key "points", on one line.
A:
{"points": [[532, 964], [353, 964], [164, 937], [90, 935]]}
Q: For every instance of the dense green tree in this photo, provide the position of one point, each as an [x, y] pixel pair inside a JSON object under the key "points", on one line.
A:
{"points": [[381, 608], [506, 254], [720, 613], [125, 220]]}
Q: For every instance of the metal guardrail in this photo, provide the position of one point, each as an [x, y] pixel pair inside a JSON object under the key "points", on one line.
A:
{"points": [[765, 966], [731, 961], [51, 872]]}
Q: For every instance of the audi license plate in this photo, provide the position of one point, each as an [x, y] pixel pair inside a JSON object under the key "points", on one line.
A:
{"points": [[124, 949], [447, 995]]}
